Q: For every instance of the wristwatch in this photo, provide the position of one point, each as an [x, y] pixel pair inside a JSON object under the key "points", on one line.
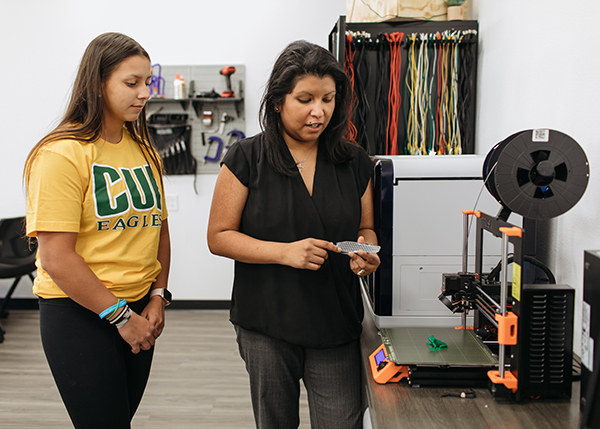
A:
{"points": [[164, 293]]}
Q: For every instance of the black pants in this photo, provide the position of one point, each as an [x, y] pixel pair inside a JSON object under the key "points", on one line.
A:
{"points": [[100, 380]]}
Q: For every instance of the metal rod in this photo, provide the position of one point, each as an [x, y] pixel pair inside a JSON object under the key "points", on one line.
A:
{"points": [[503, 289], [485, 307], [487, 315], [490, 299], [465, 252], [465, 257], [504, 284], [501, 357]]}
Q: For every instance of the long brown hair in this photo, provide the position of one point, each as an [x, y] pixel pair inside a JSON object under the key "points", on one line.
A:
{"points": [[84, 115]]}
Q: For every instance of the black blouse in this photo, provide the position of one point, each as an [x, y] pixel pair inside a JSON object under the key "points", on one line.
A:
{"points": [[316, 309]]}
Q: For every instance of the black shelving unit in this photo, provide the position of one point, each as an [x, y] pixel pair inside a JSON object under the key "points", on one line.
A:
{"points": [[199, 102], [337, 45]]}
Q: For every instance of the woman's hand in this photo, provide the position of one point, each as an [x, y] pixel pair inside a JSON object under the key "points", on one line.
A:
{"points": [[363, 263], [308, 254], [154, 312], [139, 333]]}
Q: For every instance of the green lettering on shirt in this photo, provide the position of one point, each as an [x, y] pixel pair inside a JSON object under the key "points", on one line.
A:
{"points": [[133, 221], [107, 205], [141, 201], [103, 225], [141, 194], [119, 224], [155, 187]]}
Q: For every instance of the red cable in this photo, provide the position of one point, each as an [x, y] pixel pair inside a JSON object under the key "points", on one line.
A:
{"points": [[349, 69], [394, 99]]}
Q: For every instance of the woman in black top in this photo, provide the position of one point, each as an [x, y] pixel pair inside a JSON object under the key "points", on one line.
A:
{"points": [[283, 198]]}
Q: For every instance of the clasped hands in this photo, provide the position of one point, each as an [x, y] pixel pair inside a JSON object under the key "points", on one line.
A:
{"points": [[142, 331]]}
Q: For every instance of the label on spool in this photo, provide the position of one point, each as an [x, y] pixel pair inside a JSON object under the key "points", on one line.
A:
{"points": [[540, 135], [538, 173]]}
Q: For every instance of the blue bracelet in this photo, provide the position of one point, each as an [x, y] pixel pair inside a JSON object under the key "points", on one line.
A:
{"points": [[120, 303]]}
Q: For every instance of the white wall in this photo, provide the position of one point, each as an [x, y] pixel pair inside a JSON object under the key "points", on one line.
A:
{"points": [[42, 43]]}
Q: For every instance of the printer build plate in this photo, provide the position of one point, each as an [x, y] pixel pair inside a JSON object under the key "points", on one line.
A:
{"points": [[408, 346]]}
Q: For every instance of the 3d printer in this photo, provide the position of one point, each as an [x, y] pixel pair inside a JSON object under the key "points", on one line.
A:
{"points": [[538, 174]]}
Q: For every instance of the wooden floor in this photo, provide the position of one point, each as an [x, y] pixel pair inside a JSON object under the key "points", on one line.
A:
{"points": [[198, 378]]}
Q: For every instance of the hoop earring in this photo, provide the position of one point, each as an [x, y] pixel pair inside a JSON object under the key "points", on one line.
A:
{"points": [[277, 109]]}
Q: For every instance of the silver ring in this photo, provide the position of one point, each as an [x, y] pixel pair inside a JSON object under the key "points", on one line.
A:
{"points": [[360, 273]]}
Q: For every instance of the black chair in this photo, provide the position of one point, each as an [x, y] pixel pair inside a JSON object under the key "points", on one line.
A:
{"points": [[17, 258]]}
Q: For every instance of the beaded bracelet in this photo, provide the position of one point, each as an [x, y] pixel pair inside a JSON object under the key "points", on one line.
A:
{"points": [[113, 308]]}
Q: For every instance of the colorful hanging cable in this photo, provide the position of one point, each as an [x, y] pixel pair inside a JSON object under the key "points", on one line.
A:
{"points": [[441, 147], [349, 69], [394, 100], [435, 98], [381, 93], [362, 43]]}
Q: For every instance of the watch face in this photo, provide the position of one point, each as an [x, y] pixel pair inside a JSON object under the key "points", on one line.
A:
{"points": [[167, 295]]}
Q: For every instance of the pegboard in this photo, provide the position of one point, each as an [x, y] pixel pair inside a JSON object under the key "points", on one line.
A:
{"points": [[200, 81]]}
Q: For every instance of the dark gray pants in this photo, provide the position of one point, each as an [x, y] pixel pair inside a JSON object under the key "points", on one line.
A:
{"points": [[332, 378]]}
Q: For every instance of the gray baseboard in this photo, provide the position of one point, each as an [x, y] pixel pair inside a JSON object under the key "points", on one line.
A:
{"points": [[23, 304], [199, 305]]}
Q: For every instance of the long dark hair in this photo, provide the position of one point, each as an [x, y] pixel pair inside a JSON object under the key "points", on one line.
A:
{"points": [[300, 59], [83, 118]]}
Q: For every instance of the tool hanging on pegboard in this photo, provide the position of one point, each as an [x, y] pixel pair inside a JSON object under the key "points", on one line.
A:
{"points": [[157, 83], [171, 136], [227, 71], [215, 140], [222, 147]]}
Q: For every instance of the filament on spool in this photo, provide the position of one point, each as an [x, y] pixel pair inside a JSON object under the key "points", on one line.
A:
{"points": [[537, 173]]}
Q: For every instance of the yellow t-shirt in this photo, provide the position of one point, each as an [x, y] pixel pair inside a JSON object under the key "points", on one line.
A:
{"points": [[111, 197]]}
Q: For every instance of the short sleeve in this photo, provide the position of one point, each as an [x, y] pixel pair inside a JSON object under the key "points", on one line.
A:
{"points": [[54, 194], [237, 161]]}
